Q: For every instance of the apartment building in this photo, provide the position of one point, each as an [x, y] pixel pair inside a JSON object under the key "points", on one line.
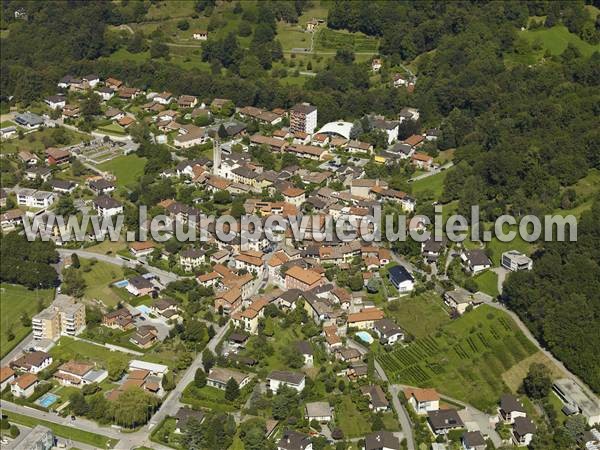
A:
{"points": [[65, 316], [303, 118]]}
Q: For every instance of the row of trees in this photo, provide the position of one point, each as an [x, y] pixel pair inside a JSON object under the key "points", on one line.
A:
{"points": [[27, 263]]}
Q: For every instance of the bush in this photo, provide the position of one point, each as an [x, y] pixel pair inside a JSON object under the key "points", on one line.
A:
{"points": [[14, 431]]}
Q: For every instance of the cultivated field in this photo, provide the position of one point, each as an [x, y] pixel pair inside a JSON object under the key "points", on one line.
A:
{"points": [[465, 360]]}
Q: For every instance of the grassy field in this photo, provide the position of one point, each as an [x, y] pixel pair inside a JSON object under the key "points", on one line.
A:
{"points": [[553, 40], [586, 189], [498, 247], [38, 141], [108, 247], [513, 377], [14, 301], [99, 279], [465, 359], [113, 128], [488, 283], [429, 186], [85, 437], [68, 348], [206, 397], [421, 315], [126, 168], [350, 420], [330, 40]]}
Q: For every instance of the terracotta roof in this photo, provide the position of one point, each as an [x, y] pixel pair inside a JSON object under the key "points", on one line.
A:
{"points": [[249, 259], [79, 368], [304, 275], [26, 380], [293, 192], [413, 140], [138, 246], [422, 157], [422, 395], [366, 315], [6, 373]]}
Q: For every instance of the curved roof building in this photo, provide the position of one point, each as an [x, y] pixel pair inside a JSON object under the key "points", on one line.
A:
{"points": [[337, 128]]}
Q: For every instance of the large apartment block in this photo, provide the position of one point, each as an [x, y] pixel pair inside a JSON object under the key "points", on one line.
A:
{"points": [[65, 316], [303, 117]]}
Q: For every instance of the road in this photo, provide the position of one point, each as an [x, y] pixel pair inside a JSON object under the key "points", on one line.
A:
{"points": [[432, 172], [164, 276], [395, 390]]}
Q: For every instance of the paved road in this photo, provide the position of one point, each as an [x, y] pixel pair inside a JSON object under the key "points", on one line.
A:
{"points": [[164, 276], [395, 389], [432, 172], [502, 274], [10, 356]]}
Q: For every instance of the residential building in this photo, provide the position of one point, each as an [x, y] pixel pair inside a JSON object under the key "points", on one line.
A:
{"points": [[200, 35], [29, 120], [514, 260], [121, 319], [319, 411], [303, 279], [107, 206], [460, 299], [523, 431], [305, 349], [422, 161], [388, 332], [444, 420], [184, 416], [219, 376], [139, 286], [34, 173], [79, 374], [62, 186], [55, 101], [473, 440], [511, 408], [165, 307], [293, 440], [35, 199], [101, 186], [365, 319], [65, 316], [24, 385], [57, 156], [145, 336], [382, 440], [422, 400], [191, 258], [378, 402], [193, 136], [476, 260], [294, 196], [32, 362], [278, 378], [303, 118], [401, 279], [139, 249], [7, 375]]}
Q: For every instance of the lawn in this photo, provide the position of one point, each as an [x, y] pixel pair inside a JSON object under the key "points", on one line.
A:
{"points": [[488, 283], [108, 247], [68, 348], [464, 359], [126, 168], [498, 247], [514, 376], [586, 190], [350, 420], [330, 40], [206, 397], [99, 281], [113, 128], [14, 301], [38, 141], [74, 433], [421, 315], [553, 40], [431, 186]]}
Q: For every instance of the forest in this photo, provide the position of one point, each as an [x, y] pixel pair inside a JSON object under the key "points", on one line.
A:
{"points": [[523, 133]]}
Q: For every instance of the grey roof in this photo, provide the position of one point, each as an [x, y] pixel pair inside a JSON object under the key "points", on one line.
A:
{"points": [[386, 328], [523, 426], [39, 171], [510, 403], [140, 282], [193, 253], [444, 419], [304, 348], [473, 438], [185, 414], [399, 147], [106, 202], [287, 377], [381, 439], [318, 409], [477, 257], [304, 108], [61, 184], [383, 124], [28, 118], [293, 440], [101, 184]]}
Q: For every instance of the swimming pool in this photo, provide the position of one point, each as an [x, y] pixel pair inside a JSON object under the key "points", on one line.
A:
{"points": [[365, 337], [47, 399], [122, 283], [143, 309]]}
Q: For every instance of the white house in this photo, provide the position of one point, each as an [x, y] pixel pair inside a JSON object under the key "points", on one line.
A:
{"points": [[107, 206], [319, 411], [7, 375], [278, 378], [515, 261], [305, 349], [511, 408], [24, 386], [32, 362], [523, 431], [35, 199], [401, 279], [423, 400], [475, 261], [387, 331], [56, 101]]}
